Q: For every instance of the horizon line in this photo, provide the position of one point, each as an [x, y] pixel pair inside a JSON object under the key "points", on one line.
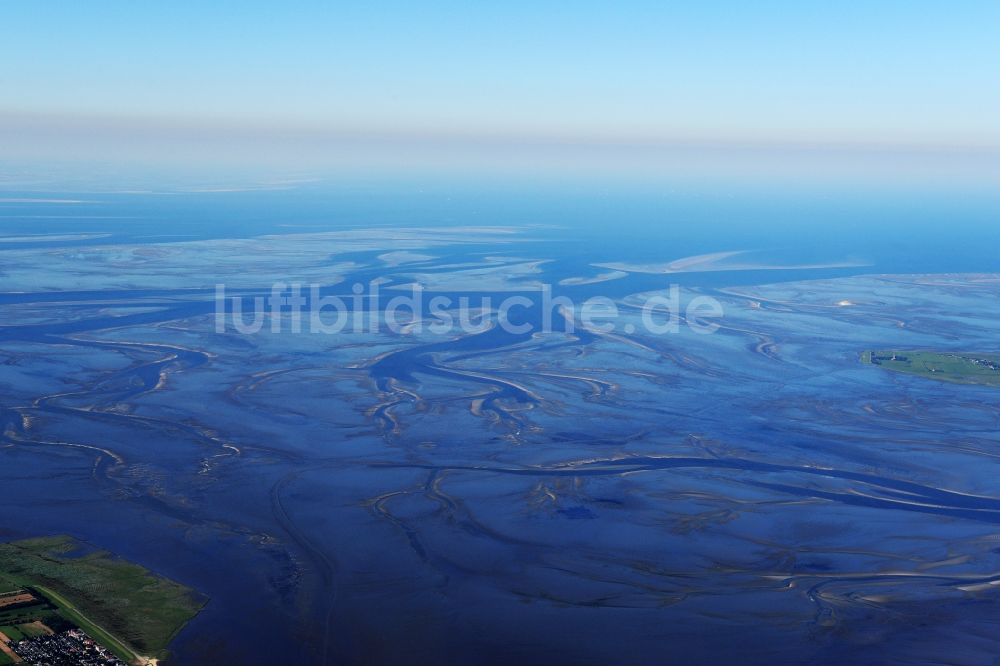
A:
{"points": [[222, 128]]}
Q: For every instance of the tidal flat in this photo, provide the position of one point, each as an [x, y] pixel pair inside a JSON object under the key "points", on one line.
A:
{"points": [[539, 497]]}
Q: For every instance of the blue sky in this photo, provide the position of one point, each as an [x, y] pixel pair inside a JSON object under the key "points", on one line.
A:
{"points": [[772, 72]]}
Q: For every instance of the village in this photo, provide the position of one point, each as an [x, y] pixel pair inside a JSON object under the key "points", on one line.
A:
{"points": [[33, 632]]}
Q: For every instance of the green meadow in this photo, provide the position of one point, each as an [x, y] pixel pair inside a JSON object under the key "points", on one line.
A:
{"points": [[130, 610], [955, 367]]}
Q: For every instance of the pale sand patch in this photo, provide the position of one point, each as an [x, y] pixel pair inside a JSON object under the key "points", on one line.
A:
{"points": [[602, 277], [715, 262], [400, 257]]}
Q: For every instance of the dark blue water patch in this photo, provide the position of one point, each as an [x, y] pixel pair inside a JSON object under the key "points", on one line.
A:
{"points": [[888, 493], [578, 513]]}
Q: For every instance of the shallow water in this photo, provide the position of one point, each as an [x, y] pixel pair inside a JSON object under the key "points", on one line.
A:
{"points": [[754, 495]]}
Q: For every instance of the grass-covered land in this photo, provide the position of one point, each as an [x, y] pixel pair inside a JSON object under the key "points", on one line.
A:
{"points": [[130, 610], [956, 367], [12, 632]]}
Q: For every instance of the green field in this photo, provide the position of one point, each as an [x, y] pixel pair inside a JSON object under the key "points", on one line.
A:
{"points": [[955, 367], [23, 615], [130, 610], [12, 633]]}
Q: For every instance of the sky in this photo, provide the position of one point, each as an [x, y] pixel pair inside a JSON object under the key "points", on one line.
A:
{"points": [[498, 81]]}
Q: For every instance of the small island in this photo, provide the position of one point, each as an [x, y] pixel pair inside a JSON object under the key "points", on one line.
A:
{"points": [[955, 367], [62, 602]]}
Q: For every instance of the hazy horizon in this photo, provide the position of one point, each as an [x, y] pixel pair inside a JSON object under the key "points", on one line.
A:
{"points": [[893, 90]]}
